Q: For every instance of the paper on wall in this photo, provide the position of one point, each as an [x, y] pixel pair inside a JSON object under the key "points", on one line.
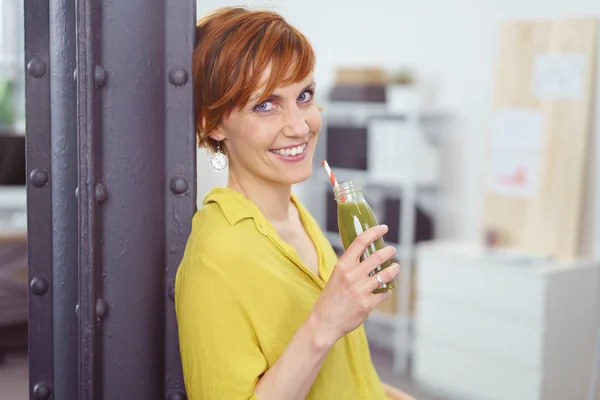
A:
{"points": [[558, 75], [516, 129], [513, 174]]}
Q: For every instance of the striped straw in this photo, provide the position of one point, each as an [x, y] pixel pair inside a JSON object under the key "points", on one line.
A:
{"points": [[331, 176], [334, 181]]}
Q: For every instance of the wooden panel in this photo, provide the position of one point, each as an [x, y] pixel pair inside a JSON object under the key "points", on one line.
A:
{"points": [[546, 222], [360, 76]]}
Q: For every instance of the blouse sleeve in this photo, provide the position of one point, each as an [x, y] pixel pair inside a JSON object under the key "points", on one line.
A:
{"points": [[221, 357]]}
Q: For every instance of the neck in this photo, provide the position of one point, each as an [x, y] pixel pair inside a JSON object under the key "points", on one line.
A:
{"points": [[272, 199]]}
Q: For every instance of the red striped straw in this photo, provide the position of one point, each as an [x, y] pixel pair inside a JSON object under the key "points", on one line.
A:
{"points": [[334, 181], [331, 176]]}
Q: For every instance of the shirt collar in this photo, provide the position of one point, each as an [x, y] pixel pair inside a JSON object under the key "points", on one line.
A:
{"points": [[236, 207]]}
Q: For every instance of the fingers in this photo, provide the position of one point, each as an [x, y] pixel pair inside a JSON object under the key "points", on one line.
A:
{"points": [[364, 240], [386, 275], [376, 259]]}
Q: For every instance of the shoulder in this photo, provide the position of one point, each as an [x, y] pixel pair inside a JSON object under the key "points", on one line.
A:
{"points": [[207, 262], [220, 251], [214, 241], [223, 225]]}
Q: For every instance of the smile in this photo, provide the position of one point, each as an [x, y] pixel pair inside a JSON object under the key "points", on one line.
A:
{"points": [[290, 151]]}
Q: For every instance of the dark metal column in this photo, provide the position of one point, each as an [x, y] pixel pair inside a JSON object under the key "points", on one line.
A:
{"points": [[180, 166], [39, 198], [136, 192], [88, 108], [133, 218], [121, 131], [63, 95]]}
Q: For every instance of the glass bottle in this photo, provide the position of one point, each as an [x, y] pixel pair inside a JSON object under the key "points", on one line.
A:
{"points": [[354, 217]]}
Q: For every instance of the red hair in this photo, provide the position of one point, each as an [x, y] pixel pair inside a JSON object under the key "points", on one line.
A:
{"points": [[234, 46]]}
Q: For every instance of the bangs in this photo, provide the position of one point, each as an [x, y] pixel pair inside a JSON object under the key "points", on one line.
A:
{"points": [[291, 61], [263, 44]]}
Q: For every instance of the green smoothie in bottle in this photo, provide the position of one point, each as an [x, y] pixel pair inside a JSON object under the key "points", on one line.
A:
{"points": [[354, 217]]}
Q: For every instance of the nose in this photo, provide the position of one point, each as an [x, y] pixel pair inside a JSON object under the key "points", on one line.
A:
{"points": [[295, 122]]}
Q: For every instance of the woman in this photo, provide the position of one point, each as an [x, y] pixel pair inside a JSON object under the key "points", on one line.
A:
{"points": [[265, 309]]}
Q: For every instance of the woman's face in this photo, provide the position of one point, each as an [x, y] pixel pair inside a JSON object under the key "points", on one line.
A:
{"points": [[275, 140]]}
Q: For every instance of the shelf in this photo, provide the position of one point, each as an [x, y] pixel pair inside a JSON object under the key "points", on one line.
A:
{"points": [[366, 178], [12, 131], [360, 112], [13, 198]]}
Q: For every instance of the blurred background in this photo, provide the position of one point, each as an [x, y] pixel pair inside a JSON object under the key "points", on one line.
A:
{"points": [[472, 128]]}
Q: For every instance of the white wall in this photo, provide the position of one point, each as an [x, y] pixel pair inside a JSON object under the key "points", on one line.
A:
{"points": [[452, 44]]}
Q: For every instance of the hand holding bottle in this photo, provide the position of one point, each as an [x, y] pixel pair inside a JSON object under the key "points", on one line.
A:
{"points": [[348, 297]]}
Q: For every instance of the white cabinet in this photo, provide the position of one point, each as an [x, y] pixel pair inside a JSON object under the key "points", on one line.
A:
{"points": [[493, 327]]}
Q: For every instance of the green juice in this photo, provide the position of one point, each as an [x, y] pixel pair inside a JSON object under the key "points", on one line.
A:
{"points": [[354, 217]]}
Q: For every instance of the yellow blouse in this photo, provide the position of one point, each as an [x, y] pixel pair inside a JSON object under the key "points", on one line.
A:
{"points": [[241, 293]]}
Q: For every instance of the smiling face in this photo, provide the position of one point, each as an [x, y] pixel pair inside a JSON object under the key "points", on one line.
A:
{"points": [[253, 95], [273, 140]]}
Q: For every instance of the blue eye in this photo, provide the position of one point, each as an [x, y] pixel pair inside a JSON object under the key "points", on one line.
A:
{"points": [[264, 106], [305, 97]]}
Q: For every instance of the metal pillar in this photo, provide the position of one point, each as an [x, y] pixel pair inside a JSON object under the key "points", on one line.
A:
{"points": [[120, 129], [39, 199], [63, 125]]}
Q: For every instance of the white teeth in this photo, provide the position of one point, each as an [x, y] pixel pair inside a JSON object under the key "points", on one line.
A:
{"points": [[291, 151]]}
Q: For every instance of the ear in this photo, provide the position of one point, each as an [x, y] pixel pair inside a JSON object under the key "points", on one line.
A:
{"points": [[217, 134]]}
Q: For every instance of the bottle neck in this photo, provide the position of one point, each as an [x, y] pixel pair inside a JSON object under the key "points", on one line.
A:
{"points": [[348, 192]]}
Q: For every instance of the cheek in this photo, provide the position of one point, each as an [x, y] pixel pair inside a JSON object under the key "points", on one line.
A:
{"points": [[314, 120], [246, 136], [256, 139]]}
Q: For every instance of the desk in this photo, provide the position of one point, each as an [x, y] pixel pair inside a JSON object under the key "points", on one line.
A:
{"points": [[490, 328]]}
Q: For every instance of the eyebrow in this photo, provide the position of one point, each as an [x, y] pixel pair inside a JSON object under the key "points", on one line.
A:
{"points": [[256, 96]]}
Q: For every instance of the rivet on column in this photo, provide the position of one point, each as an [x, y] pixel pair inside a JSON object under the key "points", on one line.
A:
{"points": [[99, 76], [179, 185], [38, 177], [101, 308], [101, 193], [177, 395], [36, 67], [38, 286], [178, 76], [42, 391]]}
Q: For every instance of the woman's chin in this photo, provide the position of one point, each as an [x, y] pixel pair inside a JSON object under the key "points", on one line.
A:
{"points": [[298, 175]]}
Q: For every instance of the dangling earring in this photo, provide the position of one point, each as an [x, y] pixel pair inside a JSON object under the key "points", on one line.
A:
{"points": [[218, 160]]}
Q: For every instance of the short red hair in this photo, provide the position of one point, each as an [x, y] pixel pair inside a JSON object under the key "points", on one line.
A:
{"points": [[234, 46]]}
